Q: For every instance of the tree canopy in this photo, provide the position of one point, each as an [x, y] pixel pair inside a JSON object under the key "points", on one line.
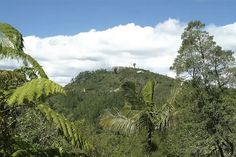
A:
{"points": [[209, 73]]}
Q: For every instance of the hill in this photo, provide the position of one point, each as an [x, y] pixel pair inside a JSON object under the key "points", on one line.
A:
{"points": [[91, 92]]}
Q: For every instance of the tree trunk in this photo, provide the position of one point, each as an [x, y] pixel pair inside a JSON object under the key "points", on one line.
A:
{"points": [[149, 142]]}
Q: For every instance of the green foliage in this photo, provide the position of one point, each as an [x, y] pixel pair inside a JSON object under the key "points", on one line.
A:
{"points": [[131, 121], [11, 36], [8, 81], [11, 46], [33, 90], [19, 90], [68, 128], [5, 75], [122, 122], [211, 75], [20, 153], [148, 91], [166, 115], [90, 93], [139, 107], [107, 88]]}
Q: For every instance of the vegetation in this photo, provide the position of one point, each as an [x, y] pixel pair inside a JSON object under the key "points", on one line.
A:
{"points": [[24, 88], [209, 73], [140, 113], [121, 112]]}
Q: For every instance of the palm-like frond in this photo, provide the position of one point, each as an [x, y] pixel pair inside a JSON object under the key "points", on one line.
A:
{"points": [[126, 122], [165, 115], [129, 121], [68, 128], [33, 90]]}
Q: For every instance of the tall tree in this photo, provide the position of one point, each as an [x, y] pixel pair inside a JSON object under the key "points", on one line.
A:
{"points": [[210, 73]]}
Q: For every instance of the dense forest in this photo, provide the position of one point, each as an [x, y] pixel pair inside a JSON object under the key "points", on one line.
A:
{"points": [[123, 112]]}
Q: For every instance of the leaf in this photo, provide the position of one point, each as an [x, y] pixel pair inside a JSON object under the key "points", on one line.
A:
{"points": [[129, 91], [33, 90], [68, 128], [126, 123], [11, 46], [10, 37], [148, 91], [20, 153], [165, 115]]}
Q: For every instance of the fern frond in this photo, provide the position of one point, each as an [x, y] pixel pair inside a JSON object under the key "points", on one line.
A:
{"points": [[20, 55], [126, 123], [11, 46], [10, 37], [33, 90], [68, 128], [27, 58]]}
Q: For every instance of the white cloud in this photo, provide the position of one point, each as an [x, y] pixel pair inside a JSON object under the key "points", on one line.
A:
{"points": [[224, 35], [153, 48]]}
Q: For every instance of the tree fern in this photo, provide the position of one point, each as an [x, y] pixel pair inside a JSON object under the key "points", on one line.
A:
{"points": [[11, 47], [33, 90], [68, 128]]}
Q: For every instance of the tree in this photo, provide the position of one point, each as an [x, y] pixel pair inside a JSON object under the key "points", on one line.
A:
{"points": [[209, 72], [140, 113], [27, 87]]}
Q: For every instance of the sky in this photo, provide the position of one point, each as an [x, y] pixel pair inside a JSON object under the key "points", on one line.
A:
{"points": [[70, 36]]}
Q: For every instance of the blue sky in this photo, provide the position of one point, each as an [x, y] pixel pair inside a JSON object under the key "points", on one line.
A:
{"points": [[52, 17], [80, 35]]}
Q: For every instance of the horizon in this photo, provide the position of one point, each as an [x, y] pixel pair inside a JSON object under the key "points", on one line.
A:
{"points": [[87, 35]]}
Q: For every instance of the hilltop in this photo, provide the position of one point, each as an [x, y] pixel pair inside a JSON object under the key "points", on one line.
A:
{"points": [[91, 92]]}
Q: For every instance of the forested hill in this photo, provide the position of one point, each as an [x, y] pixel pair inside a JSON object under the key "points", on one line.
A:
{"points": [[90, 93], [125, 112]]}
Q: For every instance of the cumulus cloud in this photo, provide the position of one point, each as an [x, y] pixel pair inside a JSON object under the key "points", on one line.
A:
{"points": [[153, 48], [224, 35]]}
